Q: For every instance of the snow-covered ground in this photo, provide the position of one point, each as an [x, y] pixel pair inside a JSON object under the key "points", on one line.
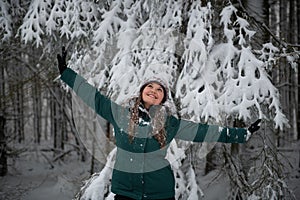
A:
{"points": [[31, 177]]}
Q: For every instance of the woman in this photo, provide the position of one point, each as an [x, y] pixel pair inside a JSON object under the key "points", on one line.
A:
{"points": [[143, 132]]}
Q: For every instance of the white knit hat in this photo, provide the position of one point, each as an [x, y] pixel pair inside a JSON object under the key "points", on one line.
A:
{"points": [[158, 72]]}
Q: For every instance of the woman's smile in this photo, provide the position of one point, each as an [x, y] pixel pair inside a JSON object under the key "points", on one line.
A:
{"points": [[152, 95]]}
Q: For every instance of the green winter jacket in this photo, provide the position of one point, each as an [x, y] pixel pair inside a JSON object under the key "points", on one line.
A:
{"points": [[141, 170]]}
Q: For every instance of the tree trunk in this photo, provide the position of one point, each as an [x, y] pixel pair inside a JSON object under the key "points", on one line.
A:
{"points": [[37, 108], [19, 106], [62, 122], [81, 150], [47, 115], [53, 118], [285, 70], [210, 164], [92, 159], [293, 87], [298, 75], [3, 157]]}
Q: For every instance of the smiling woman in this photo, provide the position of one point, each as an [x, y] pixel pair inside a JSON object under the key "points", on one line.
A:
{"points": [[144, 130]]}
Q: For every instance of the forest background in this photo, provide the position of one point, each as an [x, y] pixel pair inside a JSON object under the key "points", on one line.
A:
{"points": [[42, 125]]}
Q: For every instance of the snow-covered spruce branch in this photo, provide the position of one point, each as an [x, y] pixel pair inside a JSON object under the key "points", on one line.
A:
{"points": [[292, 55], [264, 181], [262, 25], [197, 81], [5, 21]]}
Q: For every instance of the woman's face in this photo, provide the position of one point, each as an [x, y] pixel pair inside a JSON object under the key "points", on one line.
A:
{"points": [[152, 94]]}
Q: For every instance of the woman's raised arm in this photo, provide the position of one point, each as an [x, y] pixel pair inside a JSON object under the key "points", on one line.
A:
{"points": [[88, 93], [198, 132]]}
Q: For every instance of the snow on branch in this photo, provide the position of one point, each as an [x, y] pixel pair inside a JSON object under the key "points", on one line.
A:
{"points": [[289, 51], [195, 84], [142, 52], [226, 78], [110, 23], [248, 88], [33, 22], [5, 21], [72, 19], [126, 37]]}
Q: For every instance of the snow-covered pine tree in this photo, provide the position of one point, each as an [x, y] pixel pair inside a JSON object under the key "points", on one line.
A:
{"points": [[247, 92], [113, 37]]}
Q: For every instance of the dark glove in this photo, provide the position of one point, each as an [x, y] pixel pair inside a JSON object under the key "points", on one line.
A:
{"points": [[255, 126], [252, 128], [62, 65]]}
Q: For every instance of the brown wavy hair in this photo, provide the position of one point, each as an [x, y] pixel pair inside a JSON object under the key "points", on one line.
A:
{"points": [[157, 121]]}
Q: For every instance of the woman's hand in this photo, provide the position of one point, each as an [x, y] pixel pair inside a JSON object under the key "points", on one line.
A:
{"points": [[253, 128], [61, 58]]}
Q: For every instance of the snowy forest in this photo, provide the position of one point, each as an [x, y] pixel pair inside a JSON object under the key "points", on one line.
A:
{"points": [[227, 63]]}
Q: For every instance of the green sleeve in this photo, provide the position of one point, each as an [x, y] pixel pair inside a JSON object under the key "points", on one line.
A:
{"points": [[198, 132], [89, 94]]}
